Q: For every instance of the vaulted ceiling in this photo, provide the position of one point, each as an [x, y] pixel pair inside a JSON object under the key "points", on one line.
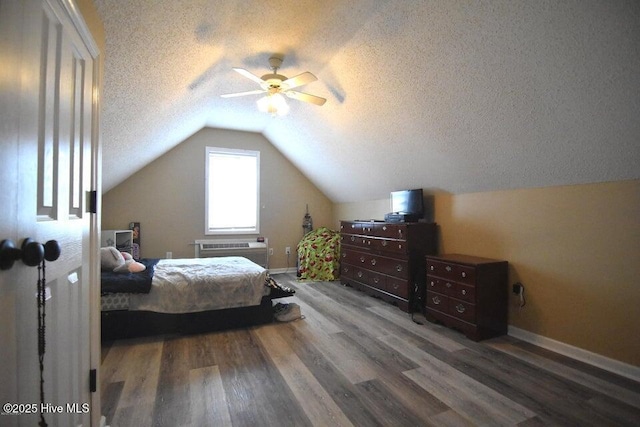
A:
{"points": [[454, 96]]}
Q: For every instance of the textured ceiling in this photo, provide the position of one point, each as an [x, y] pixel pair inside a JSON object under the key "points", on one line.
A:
{"points": [[455, 96]]}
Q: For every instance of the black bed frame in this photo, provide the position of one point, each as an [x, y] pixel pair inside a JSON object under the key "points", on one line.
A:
{"points": [[122, 324]]}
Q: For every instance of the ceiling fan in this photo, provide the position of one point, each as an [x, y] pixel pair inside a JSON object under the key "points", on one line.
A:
{"points": [[274, 85]]}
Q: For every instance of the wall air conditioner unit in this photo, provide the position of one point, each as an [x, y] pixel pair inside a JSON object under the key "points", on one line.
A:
{"points": [[257, 252]]}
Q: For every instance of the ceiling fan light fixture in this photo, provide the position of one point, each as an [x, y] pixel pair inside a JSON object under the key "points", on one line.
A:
{"points": [[275, 85], [274, 104]]}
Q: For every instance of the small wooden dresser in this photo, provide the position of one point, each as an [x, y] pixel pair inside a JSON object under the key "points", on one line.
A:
{"points": [[468, 293], [386, 260]]}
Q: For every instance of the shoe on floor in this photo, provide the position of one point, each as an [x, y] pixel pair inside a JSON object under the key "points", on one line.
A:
{"points": [[279, 307], [291, 312]]}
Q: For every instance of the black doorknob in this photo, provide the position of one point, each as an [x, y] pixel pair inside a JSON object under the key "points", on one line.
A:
{"points": [[8, 254], [52, 250], [32, 252]]}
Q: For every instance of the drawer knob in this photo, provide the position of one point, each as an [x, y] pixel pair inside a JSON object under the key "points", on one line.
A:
{"points": [[353, 238], [373, 261], [448, 268], [399, 268], [460, 308], [362, 259], [346, 269], [376, 280], [384, 228], [448, 285], [344, 255], [464, 274], [432, 283], [384, 243], [464, 292], [436, 300], [431, 267], [359, 273], [395, 287]]}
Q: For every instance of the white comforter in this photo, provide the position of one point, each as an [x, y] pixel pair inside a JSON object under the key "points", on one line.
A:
{"points": [[200, 284]]}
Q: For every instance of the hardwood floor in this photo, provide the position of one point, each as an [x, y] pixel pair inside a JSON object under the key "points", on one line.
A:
{"points": [[353, 360]]}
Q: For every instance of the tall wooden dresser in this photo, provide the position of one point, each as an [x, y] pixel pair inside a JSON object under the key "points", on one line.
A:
{"points": [[387, 260], [468, 293]]}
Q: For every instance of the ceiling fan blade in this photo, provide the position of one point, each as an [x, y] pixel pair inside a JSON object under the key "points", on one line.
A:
{"points": [[305, 97], [250, 92], [249, 75], [299, 80]]}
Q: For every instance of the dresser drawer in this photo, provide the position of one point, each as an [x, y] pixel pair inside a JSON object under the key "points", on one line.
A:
{"points": [[388, 245], [347, 270], [377, 280], [440, 285], [352, 239], [353, 257], [462, 310], [355, 272], [392, 231], [438, 301], [464, 292], [459, 273], [386, 265], [351, 227], [374, 243], [363, 275], [398, 287], [390, 266]]}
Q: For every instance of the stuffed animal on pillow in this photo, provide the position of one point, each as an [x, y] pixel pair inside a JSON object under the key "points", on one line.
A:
{"points": [[133, 265], [112, 259]]}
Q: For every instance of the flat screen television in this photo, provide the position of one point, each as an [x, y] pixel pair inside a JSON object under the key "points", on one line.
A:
{"points": [[408, 202]]}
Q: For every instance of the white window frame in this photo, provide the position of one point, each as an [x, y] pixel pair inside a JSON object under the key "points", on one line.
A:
{"points": [[209, 228]]}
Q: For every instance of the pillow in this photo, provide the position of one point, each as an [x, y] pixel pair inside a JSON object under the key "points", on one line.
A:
{"points": [[110, 258]]}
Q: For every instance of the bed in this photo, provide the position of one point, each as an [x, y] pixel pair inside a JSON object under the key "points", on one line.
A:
{"points": [[187, 296]]}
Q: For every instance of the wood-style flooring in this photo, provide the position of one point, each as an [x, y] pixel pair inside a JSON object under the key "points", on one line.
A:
{"points": [[353, 360]]}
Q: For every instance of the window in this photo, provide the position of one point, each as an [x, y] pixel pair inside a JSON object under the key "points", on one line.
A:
{"points": [[232, 196]]}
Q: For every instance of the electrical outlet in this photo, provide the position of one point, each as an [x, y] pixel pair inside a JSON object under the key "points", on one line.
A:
{"points": [[169, 255], [270, 251], [287, 250]]}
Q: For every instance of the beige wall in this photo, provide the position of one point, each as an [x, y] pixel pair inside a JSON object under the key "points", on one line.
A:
{"points": [[167, 198], [91, 18], [576, 249]]}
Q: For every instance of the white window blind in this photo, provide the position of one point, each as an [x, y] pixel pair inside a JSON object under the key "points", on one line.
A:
{"points": [[232, 191]]}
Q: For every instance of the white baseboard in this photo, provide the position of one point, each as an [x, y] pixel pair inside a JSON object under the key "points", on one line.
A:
{"points": [[606, 363]]}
